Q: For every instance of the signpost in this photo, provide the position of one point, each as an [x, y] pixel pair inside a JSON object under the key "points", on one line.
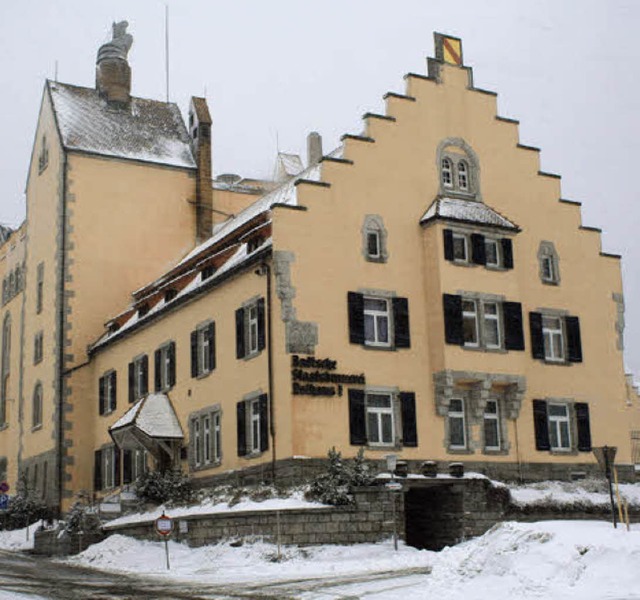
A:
{"points": [[393, 486], [164, 527], [606, 456]]}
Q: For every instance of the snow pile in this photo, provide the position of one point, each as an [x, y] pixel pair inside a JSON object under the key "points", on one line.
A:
{"points": [[17, 538], [588, 560]]}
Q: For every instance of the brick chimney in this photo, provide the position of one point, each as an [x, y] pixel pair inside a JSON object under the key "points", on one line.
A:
{"points": [[314, 148], [200, 131], [113, 74]]}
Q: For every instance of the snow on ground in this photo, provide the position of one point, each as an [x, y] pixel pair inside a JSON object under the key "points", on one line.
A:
{"points": [[589, 560], [18, 538]]}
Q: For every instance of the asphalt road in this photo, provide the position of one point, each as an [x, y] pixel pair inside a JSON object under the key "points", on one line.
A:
{"points": [[44, 578]]}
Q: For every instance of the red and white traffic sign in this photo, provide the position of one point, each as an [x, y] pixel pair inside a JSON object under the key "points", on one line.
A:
{"points": [[164, 525]]}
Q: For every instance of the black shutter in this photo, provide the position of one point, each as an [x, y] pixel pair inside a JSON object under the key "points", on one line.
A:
{"points": [[402, 337], [447, 235], [116, 464], [355, 303], [513, 330], [114, 390], [101, 398], [453, 326], [261, 326], [172, 364], [541, 425], [131, 386], [194, 354], [507, 253], [264, 423], [240, 353], [584, 427], [478, 250], [157, 361], [97, 470], [211, 332], [145, 375], [241, 411], [357, 425], [537, 340], [409, 426], [127, 471], [574, 343]]}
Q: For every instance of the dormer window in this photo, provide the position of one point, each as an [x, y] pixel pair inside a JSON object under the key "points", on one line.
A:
{"points": [[254, 243], [143, 309], [169, 295], [208, 271], [459, 170]]}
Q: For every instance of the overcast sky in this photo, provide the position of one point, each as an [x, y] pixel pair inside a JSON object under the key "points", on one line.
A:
{"points": [[273, 71]]}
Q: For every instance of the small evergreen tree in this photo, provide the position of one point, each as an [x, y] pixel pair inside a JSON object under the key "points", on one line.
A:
{"points": [[25, 507], [336, 484], [168, 486]]}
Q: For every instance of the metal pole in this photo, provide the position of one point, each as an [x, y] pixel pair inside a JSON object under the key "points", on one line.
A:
{"points": [[278, 533], [607, 469], [395, 523], [166, 549]]}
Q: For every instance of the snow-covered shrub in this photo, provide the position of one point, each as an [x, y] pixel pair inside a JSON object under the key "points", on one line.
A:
{"points": [[336, 484], [168, 486], [81, 519], [25, 508]]}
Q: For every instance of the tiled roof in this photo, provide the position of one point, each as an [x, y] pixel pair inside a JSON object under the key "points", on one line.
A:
{"points": [[153, 415], [146, 130], [466, 211]]}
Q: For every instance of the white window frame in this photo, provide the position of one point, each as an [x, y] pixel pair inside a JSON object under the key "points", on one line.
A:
{"points": [[547, 260], [165, 367], [492, 418], [138, 463], [203, 349], [109, 392], [197, 443], [467, 315], [253, 426], [550, 334], [457, 415], [380, 413], [377, 316], [465, 245], [555, 425], [138, 373], [493, 242], [495, 318], [108, 458], [206, 437], [462, 168], [374, 234], [446, 172], [251, 313]]}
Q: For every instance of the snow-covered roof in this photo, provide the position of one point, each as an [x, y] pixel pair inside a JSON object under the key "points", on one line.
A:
{"points": [[466, 211], [154, 416], [145, 130], [287, 165]]}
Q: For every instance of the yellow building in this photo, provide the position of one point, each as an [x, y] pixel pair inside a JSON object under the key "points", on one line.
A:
{"points": [[421, 290]]}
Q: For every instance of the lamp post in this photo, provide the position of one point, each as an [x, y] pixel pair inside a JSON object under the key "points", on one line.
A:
{"points": [[392, 460]]}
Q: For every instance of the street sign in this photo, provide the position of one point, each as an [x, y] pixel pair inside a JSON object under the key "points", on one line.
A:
{"points": [[4, 487], [4, 502], [164, 525], [394, 486], [605, 456]]}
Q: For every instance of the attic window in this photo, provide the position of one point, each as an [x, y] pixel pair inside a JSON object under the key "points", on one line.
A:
{"points": [[254, 243], [207, 272], [459, 169], [143, 309], [169, 295], [113, 327]]}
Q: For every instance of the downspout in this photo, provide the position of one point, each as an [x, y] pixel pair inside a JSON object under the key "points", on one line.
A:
{"points": [[61, 322], [266, 270]]}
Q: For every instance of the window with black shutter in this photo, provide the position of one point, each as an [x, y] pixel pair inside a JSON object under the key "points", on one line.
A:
{"points": [[507, 253], [447, 235], [537, 341], [203, 350], [513, 330], [541, 425], [409, 424], [101, 396], [574, 342], [251, 329], [264, 422], [555, 338], [478, 251], [583, 426], [378, 321], [241, 417], [453, 325], [97, 470], [357, 425]]}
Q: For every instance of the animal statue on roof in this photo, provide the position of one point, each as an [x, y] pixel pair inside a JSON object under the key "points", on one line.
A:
{"points": [[120, 44]]}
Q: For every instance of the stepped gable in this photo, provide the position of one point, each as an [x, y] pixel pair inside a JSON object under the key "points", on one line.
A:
{"points": [[145, 130]]}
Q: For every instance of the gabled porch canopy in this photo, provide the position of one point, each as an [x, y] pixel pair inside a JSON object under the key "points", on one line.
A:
{"points": [[151, 423]]}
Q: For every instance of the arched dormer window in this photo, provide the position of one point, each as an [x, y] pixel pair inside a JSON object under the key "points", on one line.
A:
{"points": [[459, 169], [374, 239]]}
